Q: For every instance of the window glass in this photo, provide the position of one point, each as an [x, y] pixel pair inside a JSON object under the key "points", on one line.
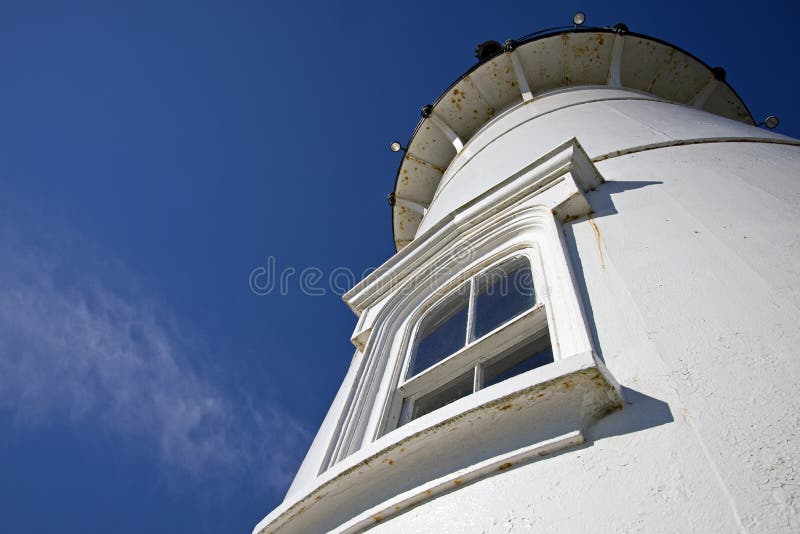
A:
{"points": [[452, 391], [530, 355], [503, 292], [442, 332], [497, 295]]}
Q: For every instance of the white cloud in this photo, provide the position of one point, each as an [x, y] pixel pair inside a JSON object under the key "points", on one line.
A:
{"points": [[73, 347]]}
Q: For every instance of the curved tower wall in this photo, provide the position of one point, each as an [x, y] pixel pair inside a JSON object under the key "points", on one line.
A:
{"points": [[660, 227], [608, 122], [689, 267]]}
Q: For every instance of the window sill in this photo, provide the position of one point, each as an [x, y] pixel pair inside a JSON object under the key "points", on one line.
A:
{"points": [[548, 403]]}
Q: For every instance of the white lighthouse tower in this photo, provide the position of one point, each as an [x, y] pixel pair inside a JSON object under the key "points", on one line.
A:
{"points": [[592, 322]]}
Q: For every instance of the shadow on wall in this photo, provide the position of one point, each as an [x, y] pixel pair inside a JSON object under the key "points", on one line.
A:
{"points": [[640, 413], [602, 206], [600, 198]]}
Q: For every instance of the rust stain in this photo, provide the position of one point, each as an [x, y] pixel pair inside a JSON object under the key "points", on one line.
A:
{"points": [[504, 466], [458, 482], [666, 61], [599, 243], [297, 513], [388, 461], [505, 407], [377, 518], [423, 162]]}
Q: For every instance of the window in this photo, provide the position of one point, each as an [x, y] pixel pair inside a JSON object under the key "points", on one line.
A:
{"points": [[485, 331], [422, 341]]}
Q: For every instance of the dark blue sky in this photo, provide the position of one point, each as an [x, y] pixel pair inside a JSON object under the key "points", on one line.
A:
{"points": [[152, 154]]}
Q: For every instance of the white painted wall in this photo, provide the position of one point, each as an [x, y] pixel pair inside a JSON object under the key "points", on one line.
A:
{"points": [[689, 269], [605, 120]]}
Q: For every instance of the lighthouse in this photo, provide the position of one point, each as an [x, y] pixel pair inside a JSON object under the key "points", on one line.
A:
{"points": [[591, 322]]}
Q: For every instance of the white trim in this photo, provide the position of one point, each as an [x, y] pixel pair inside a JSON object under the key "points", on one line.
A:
{"points": [[529, 181], [451, 135], [411, 205], [615, 68], [434, 488], [522, 81]]}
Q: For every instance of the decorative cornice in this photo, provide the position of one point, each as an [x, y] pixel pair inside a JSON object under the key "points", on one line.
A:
{"points": [[530, 180]]}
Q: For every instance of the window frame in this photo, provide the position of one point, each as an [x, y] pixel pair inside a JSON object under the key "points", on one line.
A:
{"points": [[526, 210], [476, 353], [432, 307]]}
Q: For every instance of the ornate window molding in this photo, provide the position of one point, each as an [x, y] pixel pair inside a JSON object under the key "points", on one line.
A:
{"points": [[361, 449], [522, 215]]}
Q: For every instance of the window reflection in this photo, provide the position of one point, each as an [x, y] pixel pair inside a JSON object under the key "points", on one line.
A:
{"points": [[504, 292], [452, 391], [496, 296], [443, 332], [530, 355]]}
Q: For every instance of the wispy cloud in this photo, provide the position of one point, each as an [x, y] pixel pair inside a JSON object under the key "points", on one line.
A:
{"points": [[73, 346]]}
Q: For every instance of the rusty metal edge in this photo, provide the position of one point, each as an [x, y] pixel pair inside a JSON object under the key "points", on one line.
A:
{"points": [[536, 37]]}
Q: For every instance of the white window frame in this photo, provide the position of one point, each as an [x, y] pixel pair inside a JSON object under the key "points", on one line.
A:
{"points": [[475, 353], [522, 214]]}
